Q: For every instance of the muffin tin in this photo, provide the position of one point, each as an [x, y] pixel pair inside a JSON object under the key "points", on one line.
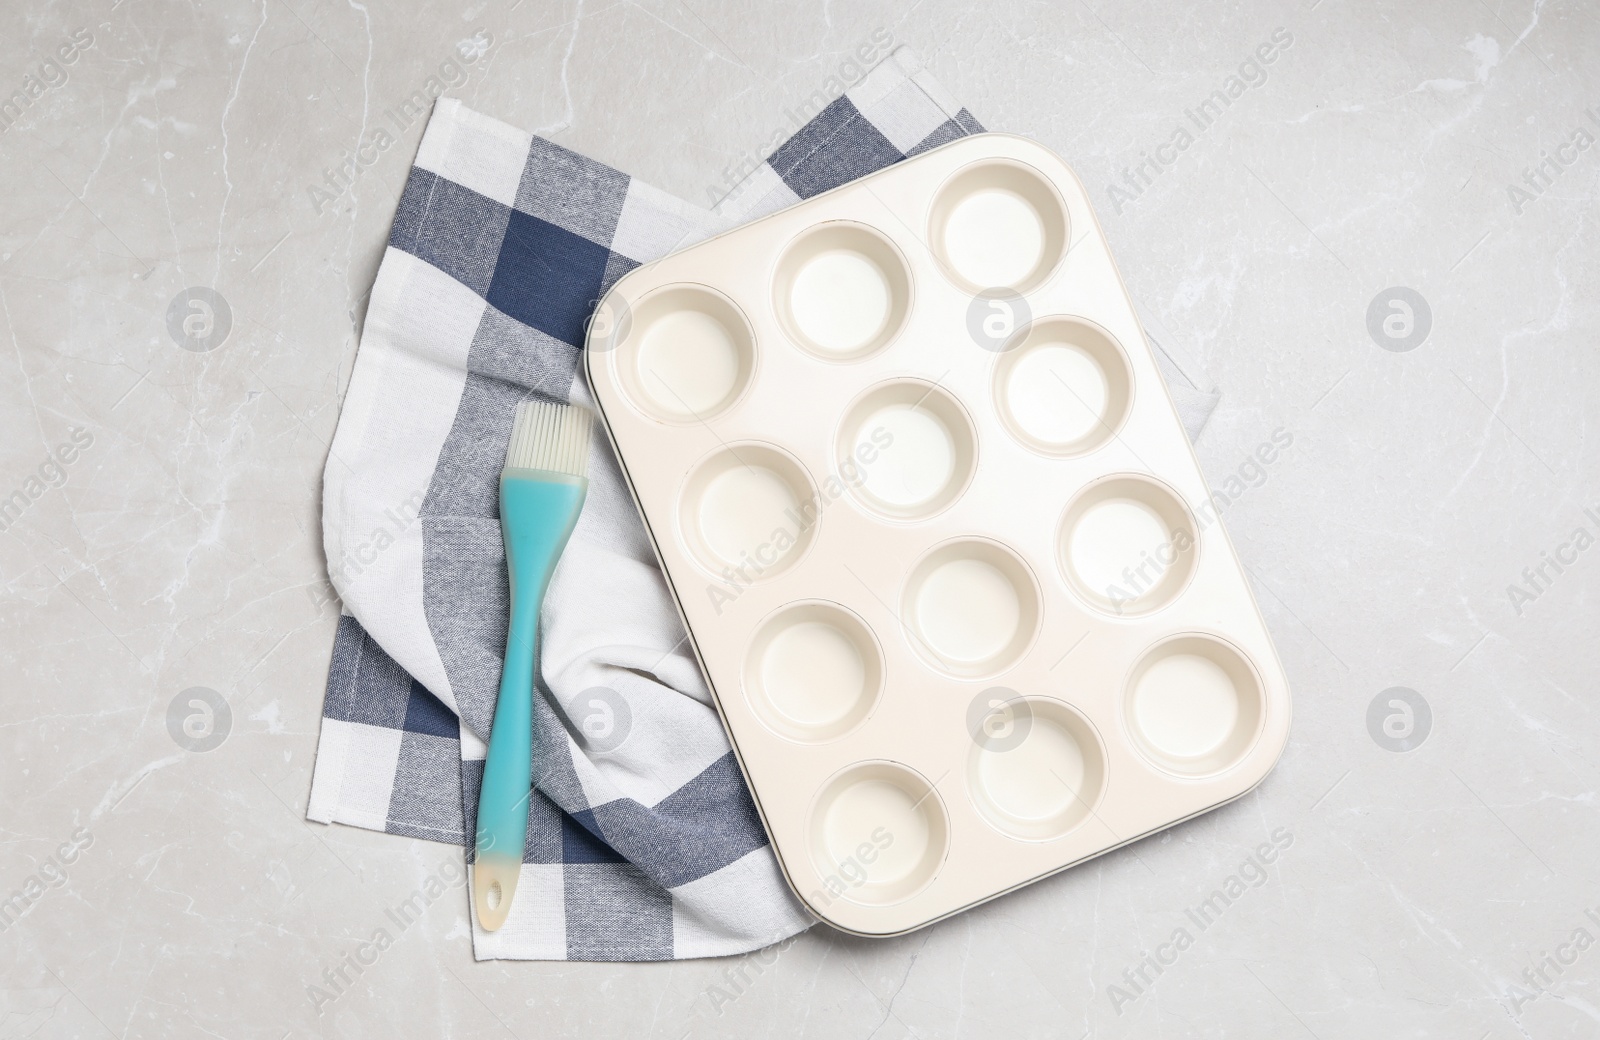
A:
{"points": [[940, 542]]}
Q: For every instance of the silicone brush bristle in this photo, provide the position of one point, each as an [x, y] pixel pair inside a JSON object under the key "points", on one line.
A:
{"points": [[552, 437]]}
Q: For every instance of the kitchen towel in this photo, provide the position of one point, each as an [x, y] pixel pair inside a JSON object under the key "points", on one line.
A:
{"points": [[643, 843]]}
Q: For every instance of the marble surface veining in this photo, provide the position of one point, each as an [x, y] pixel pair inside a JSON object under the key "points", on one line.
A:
{"points": [[1384, 249]]}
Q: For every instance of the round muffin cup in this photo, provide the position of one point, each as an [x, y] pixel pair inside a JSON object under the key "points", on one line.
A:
{"points": [[814, 671], [971, 608], [842, 291], [687, 355], [748, 513], [1127, 545], [1040, 773], [1193, 705], [998, 224], [1063, 386], [912, 449], [878, 833]]}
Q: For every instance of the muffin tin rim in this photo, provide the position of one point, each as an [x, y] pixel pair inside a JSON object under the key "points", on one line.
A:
{"points": [[1275, 692]]}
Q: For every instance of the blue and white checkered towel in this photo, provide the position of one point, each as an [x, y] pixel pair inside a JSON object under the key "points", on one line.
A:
{"points": [[643, 843]]}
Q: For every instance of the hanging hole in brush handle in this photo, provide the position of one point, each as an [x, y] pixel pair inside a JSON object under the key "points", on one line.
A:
{"points": [[494, 882]]}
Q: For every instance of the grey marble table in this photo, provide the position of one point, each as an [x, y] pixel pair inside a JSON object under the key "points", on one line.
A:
{"points": [[1384, 250]]}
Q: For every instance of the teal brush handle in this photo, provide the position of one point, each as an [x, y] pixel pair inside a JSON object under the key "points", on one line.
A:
{"points": [[538, 509]]}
